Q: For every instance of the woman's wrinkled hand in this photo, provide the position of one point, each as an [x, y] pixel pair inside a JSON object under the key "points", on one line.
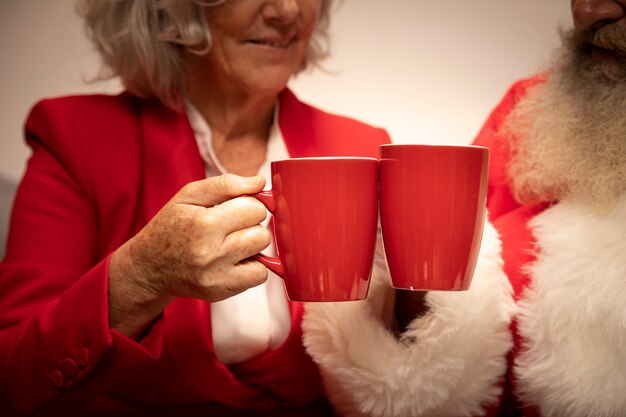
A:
{"points": [[198, 245]]}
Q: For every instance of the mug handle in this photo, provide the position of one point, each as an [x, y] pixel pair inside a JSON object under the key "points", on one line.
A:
{"points": [[272, 263]]}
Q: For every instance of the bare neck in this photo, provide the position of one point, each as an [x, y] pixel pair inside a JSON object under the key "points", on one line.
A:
{"points": [[240, 125], [231, 115]]}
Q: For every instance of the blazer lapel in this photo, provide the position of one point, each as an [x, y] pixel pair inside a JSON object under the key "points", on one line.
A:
{"points": [[296, 124], [171, 157]]}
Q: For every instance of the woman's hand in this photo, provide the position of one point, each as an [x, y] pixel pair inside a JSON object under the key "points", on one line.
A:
{"points": [[198, 245]]}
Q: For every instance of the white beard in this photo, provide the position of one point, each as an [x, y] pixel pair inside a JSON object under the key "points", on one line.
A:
{"points": [[567, 136], [567, 140]]}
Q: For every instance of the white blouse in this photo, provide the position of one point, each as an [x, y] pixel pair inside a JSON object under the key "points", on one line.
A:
{"points": [[258, 319]]}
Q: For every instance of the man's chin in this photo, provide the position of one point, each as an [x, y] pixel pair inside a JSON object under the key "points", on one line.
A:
{"points": [[583, 59]]}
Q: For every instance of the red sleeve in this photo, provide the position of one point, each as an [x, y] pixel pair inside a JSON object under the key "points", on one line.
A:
{"points": [[499, 197], [54, 330]]}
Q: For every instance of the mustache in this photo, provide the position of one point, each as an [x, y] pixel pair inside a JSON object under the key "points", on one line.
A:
{"points": [[609, 37]]}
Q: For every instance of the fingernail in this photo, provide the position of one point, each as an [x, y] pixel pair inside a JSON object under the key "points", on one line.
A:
{"points": [[252, 181]]}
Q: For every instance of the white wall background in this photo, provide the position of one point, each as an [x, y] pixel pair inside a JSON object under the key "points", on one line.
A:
{"points": [[428, 71]]}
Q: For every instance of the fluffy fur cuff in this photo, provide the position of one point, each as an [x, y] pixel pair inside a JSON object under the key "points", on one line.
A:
{"points": [[448, 363], [573, 317]]}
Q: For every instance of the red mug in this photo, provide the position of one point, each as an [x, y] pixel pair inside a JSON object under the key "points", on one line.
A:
{"points": [[325, 213], [432, 208]]}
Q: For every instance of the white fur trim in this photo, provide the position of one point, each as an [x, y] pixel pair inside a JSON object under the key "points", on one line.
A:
{"points": [[452, 369], [573, 318]]}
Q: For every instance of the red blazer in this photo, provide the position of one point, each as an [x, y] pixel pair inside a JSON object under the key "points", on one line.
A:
{"points": [[101, 167]]}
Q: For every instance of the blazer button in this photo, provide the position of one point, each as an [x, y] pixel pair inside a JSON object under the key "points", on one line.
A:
{"points": [[69, 368], [57, 379], [82, 357]]}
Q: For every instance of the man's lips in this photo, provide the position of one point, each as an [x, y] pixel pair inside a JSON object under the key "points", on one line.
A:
{"points": [[602, 54]]}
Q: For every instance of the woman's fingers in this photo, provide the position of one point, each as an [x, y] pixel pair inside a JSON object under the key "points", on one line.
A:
{"points": [[229, 232], [215, 190], [236, 279], [237, 214], [242, 244], [199, 243]]}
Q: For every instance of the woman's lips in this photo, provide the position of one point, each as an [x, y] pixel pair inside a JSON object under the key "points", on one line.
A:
{"points": [[274, 43]]}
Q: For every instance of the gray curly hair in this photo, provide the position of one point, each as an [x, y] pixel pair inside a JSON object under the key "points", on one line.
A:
{"points": [[142, 41]]}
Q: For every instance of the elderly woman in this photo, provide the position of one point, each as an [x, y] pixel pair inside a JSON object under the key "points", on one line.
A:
{"points": [[129, 252], [128, 286]]}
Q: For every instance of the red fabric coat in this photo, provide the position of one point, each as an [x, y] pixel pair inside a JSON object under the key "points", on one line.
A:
{"points": [[101, 167], [511, 219], [565, 261]]}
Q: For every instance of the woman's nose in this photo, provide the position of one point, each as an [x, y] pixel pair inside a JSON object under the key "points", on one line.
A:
{"points": [[285, 11], [591, 13]]}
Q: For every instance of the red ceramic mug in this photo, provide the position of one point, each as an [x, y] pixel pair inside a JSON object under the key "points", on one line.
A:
{"points": [[432, 207], [325, 213]]}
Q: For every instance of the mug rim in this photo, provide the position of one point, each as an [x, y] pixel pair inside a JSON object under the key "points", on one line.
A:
{"points": [[426, 145], [328, 158]]}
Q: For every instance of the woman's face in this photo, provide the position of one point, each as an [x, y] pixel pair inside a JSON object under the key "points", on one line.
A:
{"points": [[259, 44]]}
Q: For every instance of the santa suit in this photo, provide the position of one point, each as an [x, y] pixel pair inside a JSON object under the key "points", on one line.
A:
{"points": [[567, 263], [543, 326]]}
